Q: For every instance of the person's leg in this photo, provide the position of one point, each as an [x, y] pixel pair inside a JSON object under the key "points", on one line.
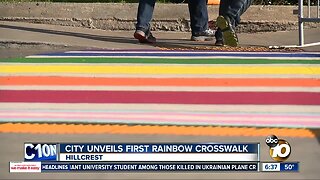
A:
{"points": [[236, 9], [198, 15], [230, 18], [144, 17], [199, 20], [223, 7]]}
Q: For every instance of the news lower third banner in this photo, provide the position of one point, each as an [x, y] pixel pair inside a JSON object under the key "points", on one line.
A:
{"points": [[142, 152], [74, 157], [158, 152]]}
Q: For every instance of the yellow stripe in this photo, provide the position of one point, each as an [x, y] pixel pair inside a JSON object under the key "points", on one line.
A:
{"points": [[134, 69]]}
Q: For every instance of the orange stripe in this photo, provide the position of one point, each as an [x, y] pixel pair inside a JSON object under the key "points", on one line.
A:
{"points": [[151, 130], [100, 81]]}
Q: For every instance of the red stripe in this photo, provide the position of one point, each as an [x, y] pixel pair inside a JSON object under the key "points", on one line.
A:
{"points": [[290, 98]]}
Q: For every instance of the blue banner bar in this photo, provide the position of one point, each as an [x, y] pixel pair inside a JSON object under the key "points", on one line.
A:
{"points": [[289, 166], [160, 148]]}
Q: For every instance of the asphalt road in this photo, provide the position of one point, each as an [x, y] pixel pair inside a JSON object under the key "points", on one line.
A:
{"points": [[21, 39]]}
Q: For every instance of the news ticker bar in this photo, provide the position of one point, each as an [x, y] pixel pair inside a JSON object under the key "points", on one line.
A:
{"points": [[208, 152], [151, 167]]}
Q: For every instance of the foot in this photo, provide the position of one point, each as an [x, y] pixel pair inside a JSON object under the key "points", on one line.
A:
{"points": [[207, 35], [144, 37], [219, 42], [229, 35]]}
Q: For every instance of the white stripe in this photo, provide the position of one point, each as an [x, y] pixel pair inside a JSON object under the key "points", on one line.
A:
{"points": [[165, 88], [164, 107], [177, 157], [175, 57]]}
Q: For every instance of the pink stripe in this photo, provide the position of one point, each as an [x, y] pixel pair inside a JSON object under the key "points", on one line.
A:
{"points": [[252, 121], [161, 119], [101, 115], [242, 122]]}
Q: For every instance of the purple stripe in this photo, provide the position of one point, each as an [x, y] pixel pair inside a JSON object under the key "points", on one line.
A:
{"points": [[155, 54], [42, 96]]}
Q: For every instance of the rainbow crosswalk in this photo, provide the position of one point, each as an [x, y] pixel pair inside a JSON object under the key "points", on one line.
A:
{"points": [[260, 89]]}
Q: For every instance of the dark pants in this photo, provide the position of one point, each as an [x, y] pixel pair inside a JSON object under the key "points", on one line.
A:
{"points": [[232, 9], [197, 9]]}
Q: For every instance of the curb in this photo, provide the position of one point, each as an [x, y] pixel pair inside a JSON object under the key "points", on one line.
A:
{"points": [[118, 16]]}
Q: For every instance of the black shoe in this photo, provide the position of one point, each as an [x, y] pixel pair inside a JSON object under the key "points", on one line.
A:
{"points": [[219, 42], [144, 37], [229, 35]]}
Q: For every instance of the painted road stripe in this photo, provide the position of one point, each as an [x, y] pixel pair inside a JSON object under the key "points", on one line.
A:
{"points": [[101, 81], [281, 98], [149, 113], [166, 118], [218, 122], [154, 115], [175, 57], [165, 88], [160, 61], [151, 51], [99, 95], [182, 54], [135, 69], [166, 50], [91, 75], [187, 108], [152, 130]]}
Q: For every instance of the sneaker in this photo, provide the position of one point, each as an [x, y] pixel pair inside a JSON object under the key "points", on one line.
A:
{"points": [[144, 37], [229, 35], [219, 42], [207, 35]]}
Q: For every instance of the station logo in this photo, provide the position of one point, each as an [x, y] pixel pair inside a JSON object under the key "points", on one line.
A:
{"points": [[279, 149], [40, 152]]}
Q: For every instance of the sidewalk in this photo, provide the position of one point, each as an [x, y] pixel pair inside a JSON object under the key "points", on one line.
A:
{"points": [[40, 38], [255, 97]]}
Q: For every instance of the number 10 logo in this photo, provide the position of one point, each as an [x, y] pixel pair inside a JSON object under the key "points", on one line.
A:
{"points": [[280, 149]]}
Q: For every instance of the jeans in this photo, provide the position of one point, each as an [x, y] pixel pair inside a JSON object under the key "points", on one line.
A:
{"points": [[197, 9], [233, 9]]}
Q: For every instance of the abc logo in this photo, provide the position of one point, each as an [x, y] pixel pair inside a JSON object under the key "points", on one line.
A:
{"points": [[279, 148], [272, 141]]}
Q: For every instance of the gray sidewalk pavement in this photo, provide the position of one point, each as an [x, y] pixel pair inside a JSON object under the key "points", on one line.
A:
{"points": [[20, 39]]}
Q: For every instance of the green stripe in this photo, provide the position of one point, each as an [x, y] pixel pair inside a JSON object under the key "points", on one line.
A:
{"points": [[159, 61]]}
